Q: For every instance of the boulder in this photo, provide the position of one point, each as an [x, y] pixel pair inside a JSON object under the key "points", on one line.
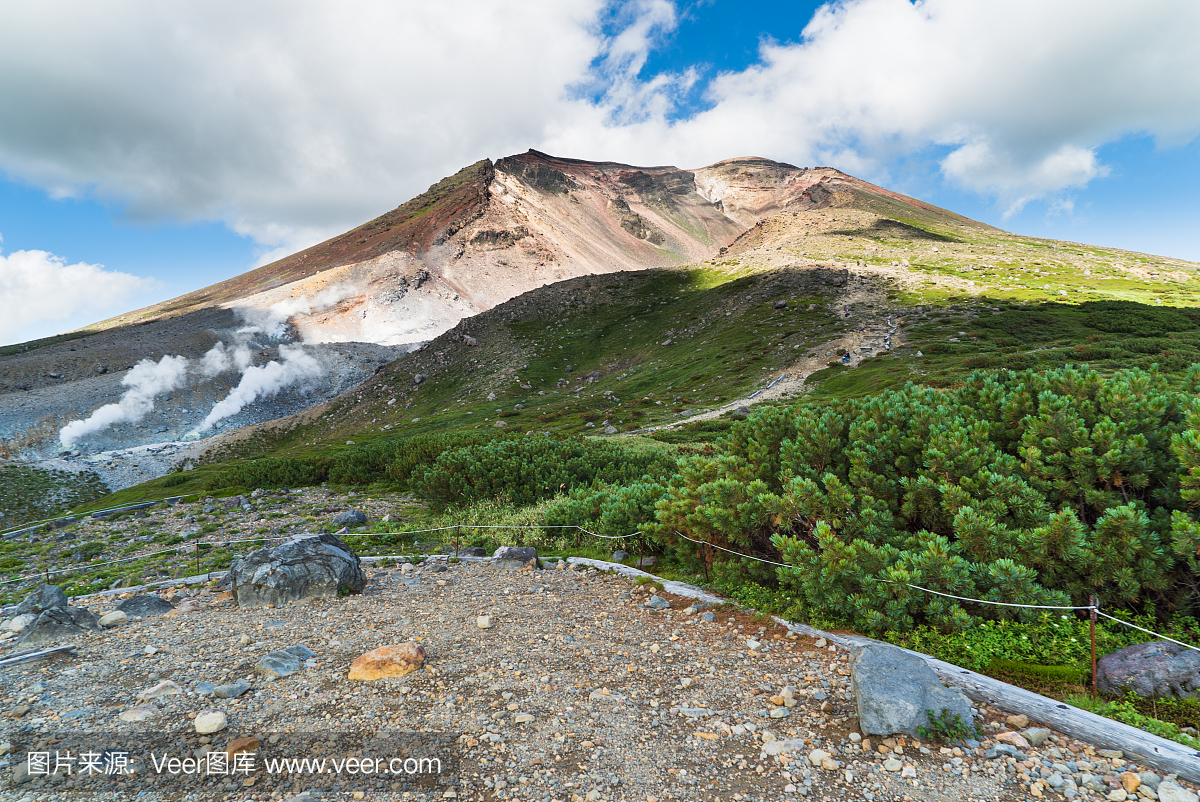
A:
{"points": [[284, 662], [59, 624], [20, 622], [647, 562], [210, 721], [514, 558], [43, 598], [893, 690], [388, 661], [472, 551], [1171, 791], [141, 606], [1150, 670], [113, 618], [349, 518], [618, 556], [303, 567]]}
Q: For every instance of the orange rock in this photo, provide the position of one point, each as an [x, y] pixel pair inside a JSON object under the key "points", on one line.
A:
{"points": [[1020, 720], [1130, 781], [1013, 739], [241, 745], [388, 661]]}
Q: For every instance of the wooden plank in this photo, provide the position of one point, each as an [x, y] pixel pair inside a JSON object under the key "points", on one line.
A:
{"points": [[36, 654]]}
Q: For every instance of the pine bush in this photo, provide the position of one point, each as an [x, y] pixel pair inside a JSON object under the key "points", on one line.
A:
{"points": [[1020, 487]]}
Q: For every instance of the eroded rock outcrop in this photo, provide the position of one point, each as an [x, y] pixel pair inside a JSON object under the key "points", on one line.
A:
{"points": [[303, 567]]}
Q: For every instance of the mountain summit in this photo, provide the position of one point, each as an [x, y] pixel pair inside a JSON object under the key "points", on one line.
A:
{"points": [[495, 230]]}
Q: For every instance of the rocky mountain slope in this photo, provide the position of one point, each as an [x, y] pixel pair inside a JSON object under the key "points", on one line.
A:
{"points": [[485, 235], [493, 231]]}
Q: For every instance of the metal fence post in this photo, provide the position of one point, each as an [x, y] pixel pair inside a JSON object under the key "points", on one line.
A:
{"points": [[1092, 627]]}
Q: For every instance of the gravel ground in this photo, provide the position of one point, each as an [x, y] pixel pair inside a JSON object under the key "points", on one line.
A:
{"points": [[577, 691]]}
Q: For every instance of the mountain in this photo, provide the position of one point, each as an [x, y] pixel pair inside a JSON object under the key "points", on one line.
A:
{"points": [[493, 231], [476, 239], [545, 281]]}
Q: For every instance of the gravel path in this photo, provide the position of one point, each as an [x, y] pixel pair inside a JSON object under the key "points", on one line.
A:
{"points": [[577, 691]]}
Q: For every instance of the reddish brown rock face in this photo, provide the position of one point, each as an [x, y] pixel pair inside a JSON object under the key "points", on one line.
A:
{"points": [[388, 661]]}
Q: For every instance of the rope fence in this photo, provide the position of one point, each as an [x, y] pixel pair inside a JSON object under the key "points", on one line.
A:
{"points": [[224, 544], [1093, 608]]}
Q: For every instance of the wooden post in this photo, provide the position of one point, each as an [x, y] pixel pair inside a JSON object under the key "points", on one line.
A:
{"points": [[1092, 627]]}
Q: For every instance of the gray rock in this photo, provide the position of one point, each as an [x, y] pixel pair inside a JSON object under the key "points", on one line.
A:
{"points": [[307, 566], [647, 562], [234, 690], [514, 558], [894, 689], [349, 518], [140, 606], [658, 603], [1003, 750], [280, 663], [619, 556], [1171, 791], [472, 551], [43, 598], [740, 412], [20, 622], [59, 624], [205, 688], [1036, 735], [1154, 669], [780, 304], [610, 429], [707, 618], [1149, 779]]}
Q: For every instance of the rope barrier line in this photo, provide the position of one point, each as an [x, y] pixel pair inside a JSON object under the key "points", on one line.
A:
{"points": [[226, 543], [1096, 608], [76, 516], [731, 551], [1147, 631], [986, 601]]}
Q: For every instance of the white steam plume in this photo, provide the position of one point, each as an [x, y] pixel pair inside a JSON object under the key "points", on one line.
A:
{"points": [[218, 360], [146, 380], [272, 321], [297, 367]]}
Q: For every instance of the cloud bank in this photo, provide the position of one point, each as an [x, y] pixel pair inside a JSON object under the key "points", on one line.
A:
{"points": [[37, 286], [294, 121]]}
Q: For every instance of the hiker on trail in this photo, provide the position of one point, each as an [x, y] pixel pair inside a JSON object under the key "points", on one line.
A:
{"points": [[847, 311]]}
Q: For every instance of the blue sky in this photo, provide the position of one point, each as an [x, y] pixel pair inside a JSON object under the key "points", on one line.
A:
{"points": [[147, 150]]}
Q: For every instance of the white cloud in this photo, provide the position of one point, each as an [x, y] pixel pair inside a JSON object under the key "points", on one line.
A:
{"points": [[295, 121], [38, 287]]}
